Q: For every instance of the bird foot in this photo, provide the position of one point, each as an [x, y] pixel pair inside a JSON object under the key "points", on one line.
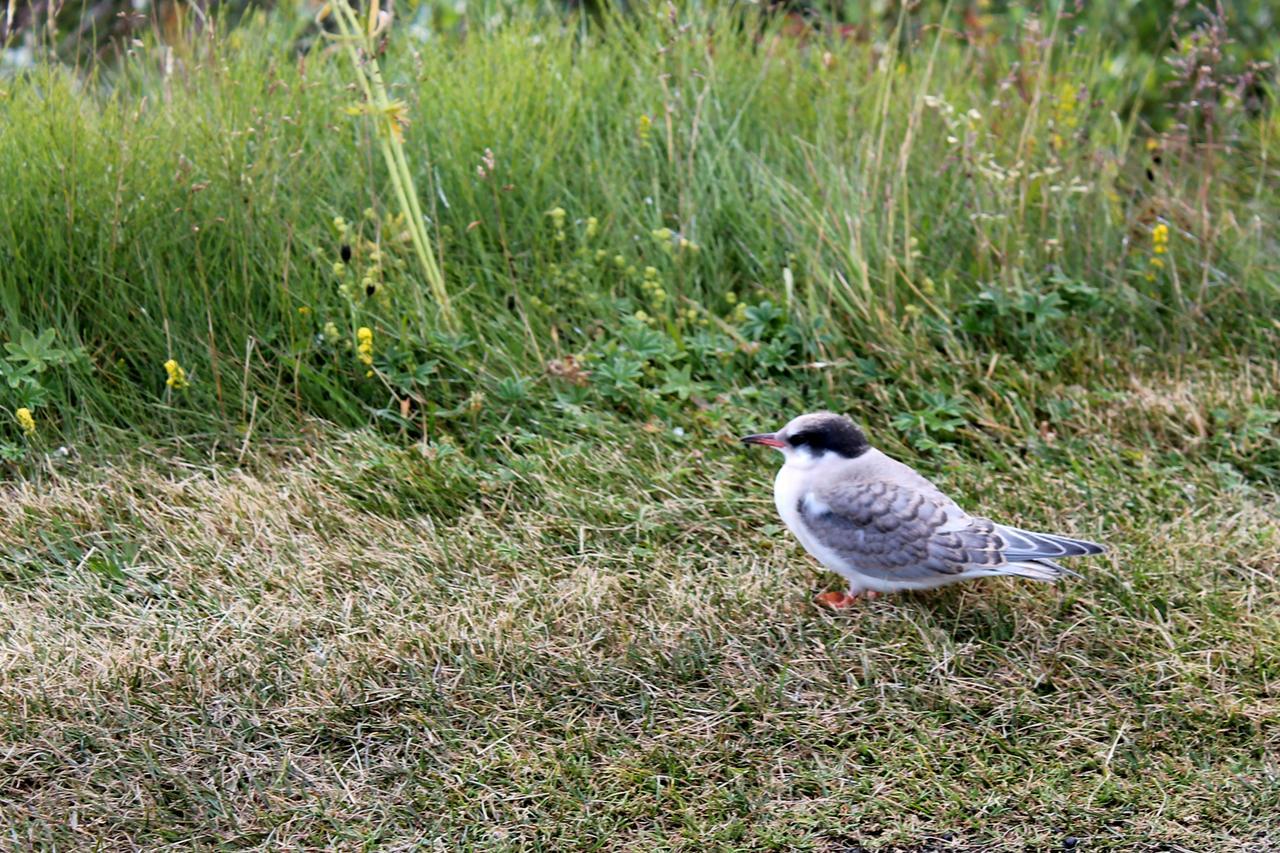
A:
{"points": [[844, 600]]}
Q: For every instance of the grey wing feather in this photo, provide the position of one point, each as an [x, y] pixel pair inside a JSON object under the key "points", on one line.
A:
{"points": [[901, 534], [1025, 545]]}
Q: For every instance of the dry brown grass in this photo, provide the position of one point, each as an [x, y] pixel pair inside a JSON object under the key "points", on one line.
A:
{"points": [[616, 647]]}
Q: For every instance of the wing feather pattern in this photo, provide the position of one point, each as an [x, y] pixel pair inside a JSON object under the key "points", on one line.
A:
{"points": [[901, 535]]}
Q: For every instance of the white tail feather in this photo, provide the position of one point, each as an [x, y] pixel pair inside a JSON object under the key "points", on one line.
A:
{"points": [[1039, 570]]}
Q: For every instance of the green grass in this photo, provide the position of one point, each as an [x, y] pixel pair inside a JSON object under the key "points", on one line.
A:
{"points": [[189, 216], [516, 585]]}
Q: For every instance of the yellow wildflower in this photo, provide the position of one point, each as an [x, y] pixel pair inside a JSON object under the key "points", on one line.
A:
{"points": [[25, 421], [364, 345], [1065, 112], [331, 332], [177, 376], [644, 126], [1160, 238]]}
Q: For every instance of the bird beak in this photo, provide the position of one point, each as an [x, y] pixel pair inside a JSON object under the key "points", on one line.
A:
{"points": [[768, 439]]}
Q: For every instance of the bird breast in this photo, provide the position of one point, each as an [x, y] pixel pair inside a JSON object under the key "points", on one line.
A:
{"points": [[790, 488]]}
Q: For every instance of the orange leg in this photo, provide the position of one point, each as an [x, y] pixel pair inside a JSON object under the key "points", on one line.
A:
{"points": [[844, 600], [837, 600]]}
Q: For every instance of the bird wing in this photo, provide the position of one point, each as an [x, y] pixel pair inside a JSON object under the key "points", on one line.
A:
{"points": [[901, 534]]}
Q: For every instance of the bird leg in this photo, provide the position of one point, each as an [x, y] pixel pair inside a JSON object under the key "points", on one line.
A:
{"points": [[845, 600]]}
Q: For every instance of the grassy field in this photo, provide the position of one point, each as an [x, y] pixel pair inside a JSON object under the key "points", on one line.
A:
{"points": [[288, 560]]}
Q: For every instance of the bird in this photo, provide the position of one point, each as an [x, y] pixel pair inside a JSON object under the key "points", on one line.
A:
{"points": [[884, 527]]}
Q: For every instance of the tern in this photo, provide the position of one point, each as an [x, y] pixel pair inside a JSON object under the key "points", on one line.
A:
{"points": [[884, 527]]}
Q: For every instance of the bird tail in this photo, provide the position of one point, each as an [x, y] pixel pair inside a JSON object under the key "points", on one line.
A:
{"points": [[1023, 545], [1037, 570]]}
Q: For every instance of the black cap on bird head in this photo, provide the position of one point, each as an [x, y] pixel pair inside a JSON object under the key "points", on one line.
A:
{"points": [[817, 433]]}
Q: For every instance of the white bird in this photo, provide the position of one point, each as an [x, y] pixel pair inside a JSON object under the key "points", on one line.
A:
{"points": [[883, 527]]}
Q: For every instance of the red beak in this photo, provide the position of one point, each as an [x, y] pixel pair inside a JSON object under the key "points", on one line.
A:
{"points": [[768, 439]]}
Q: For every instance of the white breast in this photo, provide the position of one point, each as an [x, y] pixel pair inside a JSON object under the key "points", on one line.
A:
{"points": [[789, 488]]}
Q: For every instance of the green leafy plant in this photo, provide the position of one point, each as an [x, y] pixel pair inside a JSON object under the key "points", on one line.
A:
{"points": [[934, 422], [27, 370]]}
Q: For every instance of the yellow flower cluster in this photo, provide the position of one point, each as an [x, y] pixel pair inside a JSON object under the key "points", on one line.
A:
{"points": [[691, 316], [644, 125], [26, 422], [1065, 116], [177, 377], [1159, 244], [557, 215], [1160, 238], [364, 345], [652, 288], [1065, 109], [670, 241]]}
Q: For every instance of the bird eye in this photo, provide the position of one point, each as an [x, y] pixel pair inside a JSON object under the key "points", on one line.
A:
{"points": [[805, 439]]}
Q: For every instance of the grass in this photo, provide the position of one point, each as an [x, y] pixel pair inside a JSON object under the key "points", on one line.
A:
{"points": [[514, 585], [617, 647], [195, 209]]}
